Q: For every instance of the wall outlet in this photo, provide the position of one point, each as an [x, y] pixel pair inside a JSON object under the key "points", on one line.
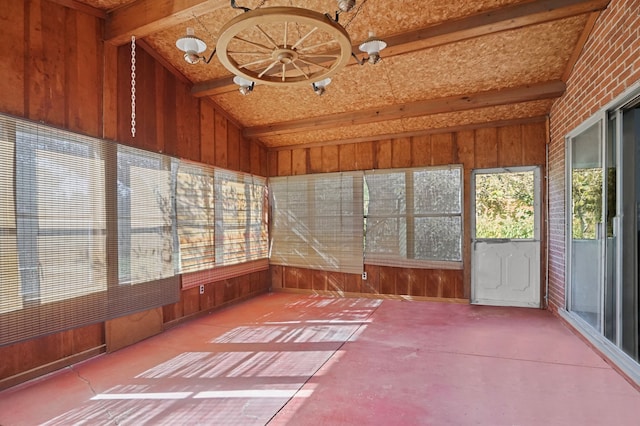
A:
{"points": [[201, 289], [364, 275]]}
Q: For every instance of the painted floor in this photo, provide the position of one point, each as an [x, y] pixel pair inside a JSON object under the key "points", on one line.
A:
{"points": [[284, 359]]}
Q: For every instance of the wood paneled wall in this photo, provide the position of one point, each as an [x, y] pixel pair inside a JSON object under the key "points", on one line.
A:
{"points": [[171, 121], [518, 144], [55, 69], [51, 65]]}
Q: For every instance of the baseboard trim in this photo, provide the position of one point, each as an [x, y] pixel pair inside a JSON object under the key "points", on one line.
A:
{"points": [[609, 352], [41, 371], [346, 294], [173, 323]]}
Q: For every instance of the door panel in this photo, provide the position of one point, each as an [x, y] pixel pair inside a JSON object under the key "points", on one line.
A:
{"points": [[507, 273], [506, 245]]}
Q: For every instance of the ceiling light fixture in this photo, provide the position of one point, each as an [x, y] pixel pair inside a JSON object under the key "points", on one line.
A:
{"points": [[283, 46], [246, 86], [192, 47], [372, 46], [320, 86]]}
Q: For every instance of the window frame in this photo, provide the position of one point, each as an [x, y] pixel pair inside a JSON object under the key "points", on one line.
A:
{"points": [[410, 216]]}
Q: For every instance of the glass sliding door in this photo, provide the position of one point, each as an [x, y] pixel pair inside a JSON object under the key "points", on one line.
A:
{"points": [[585, 206], [610, 304], [630, 226], [603, 216]]}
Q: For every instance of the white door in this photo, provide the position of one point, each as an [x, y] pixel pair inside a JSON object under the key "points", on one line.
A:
{"points": [[505, 246]]}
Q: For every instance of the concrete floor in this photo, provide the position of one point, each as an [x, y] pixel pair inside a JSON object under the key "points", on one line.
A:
{"points": [[307, 360]]}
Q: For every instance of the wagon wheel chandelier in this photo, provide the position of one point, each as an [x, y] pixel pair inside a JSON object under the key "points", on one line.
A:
{"points": [[283, 46]]}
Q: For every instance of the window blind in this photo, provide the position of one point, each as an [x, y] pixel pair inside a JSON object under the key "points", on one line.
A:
{"points": [[241, 217], [61, 195], [54, 230], [146, 232], [414, 217], [195, 208], [318, 221], [10, 292], [146, 215]]}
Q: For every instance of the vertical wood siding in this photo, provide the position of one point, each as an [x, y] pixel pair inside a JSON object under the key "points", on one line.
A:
{"points": [[505, 146]]}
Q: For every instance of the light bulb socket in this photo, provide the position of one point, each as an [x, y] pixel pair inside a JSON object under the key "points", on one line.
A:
{"points": [[246, 86], [191, 57], [374, 58]]}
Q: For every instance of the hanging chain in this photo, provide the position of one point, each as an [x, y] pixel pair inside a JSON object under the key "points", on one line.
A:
{"points": [[133, 86], [206, 30], [354, 14]]}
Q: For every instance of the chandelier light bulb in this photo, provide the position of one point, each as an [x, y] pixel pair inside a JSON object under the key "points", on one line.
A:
{"points": [[346, 5]]}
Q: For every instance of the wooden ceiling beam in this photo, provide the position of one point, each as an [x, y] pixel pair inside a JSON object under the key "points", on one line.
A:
{"points": [[434, 131], [506, 18], [81, 7], [546, 90], [145, 17]]}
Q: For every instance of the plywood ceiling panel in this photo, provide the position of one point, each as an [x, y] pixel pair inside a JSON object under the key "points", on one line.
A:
{"points": [[413, 125], [447, 54], [475, 65]]}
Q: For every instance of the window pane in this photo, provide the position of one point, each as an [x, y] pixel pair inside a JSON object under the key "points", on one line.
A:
{"points": [[437, 191], [438, 238], [505, 205], [413, 216]]}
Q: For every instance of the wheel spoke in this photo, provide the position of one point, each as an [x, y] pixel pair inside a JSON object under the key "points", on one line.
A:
{"points": [[300, 69], [284, 72], [317, 45], [286, 32], [318, 55], [259, 61], [313, 64], [234, 52], [258, 45], [267, 36], [273, 64], [304, 37]]}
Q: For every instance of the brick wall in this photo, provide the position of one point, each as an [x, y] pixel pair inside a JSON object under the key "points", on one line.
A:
{"points": [[609, 64]]}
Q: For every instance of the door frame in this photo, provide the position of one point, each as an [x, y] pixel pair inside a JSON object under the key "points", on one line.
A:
{"points": [[537, 227]]}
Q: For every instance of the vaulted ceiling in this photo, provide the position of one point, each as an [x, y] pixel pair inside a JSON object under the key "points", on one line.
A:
{"points": [[448, 64]]}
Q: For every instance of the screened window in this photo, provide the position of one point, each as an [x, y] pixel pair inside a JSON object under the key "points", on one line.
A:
{"points": [[146, 216], [318, 221], [413, 217]]}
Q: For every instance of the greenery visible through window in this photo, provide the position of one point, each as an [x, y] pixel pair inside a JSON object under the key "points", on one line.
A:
{"points": [[505, 205], [586, 188]]}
